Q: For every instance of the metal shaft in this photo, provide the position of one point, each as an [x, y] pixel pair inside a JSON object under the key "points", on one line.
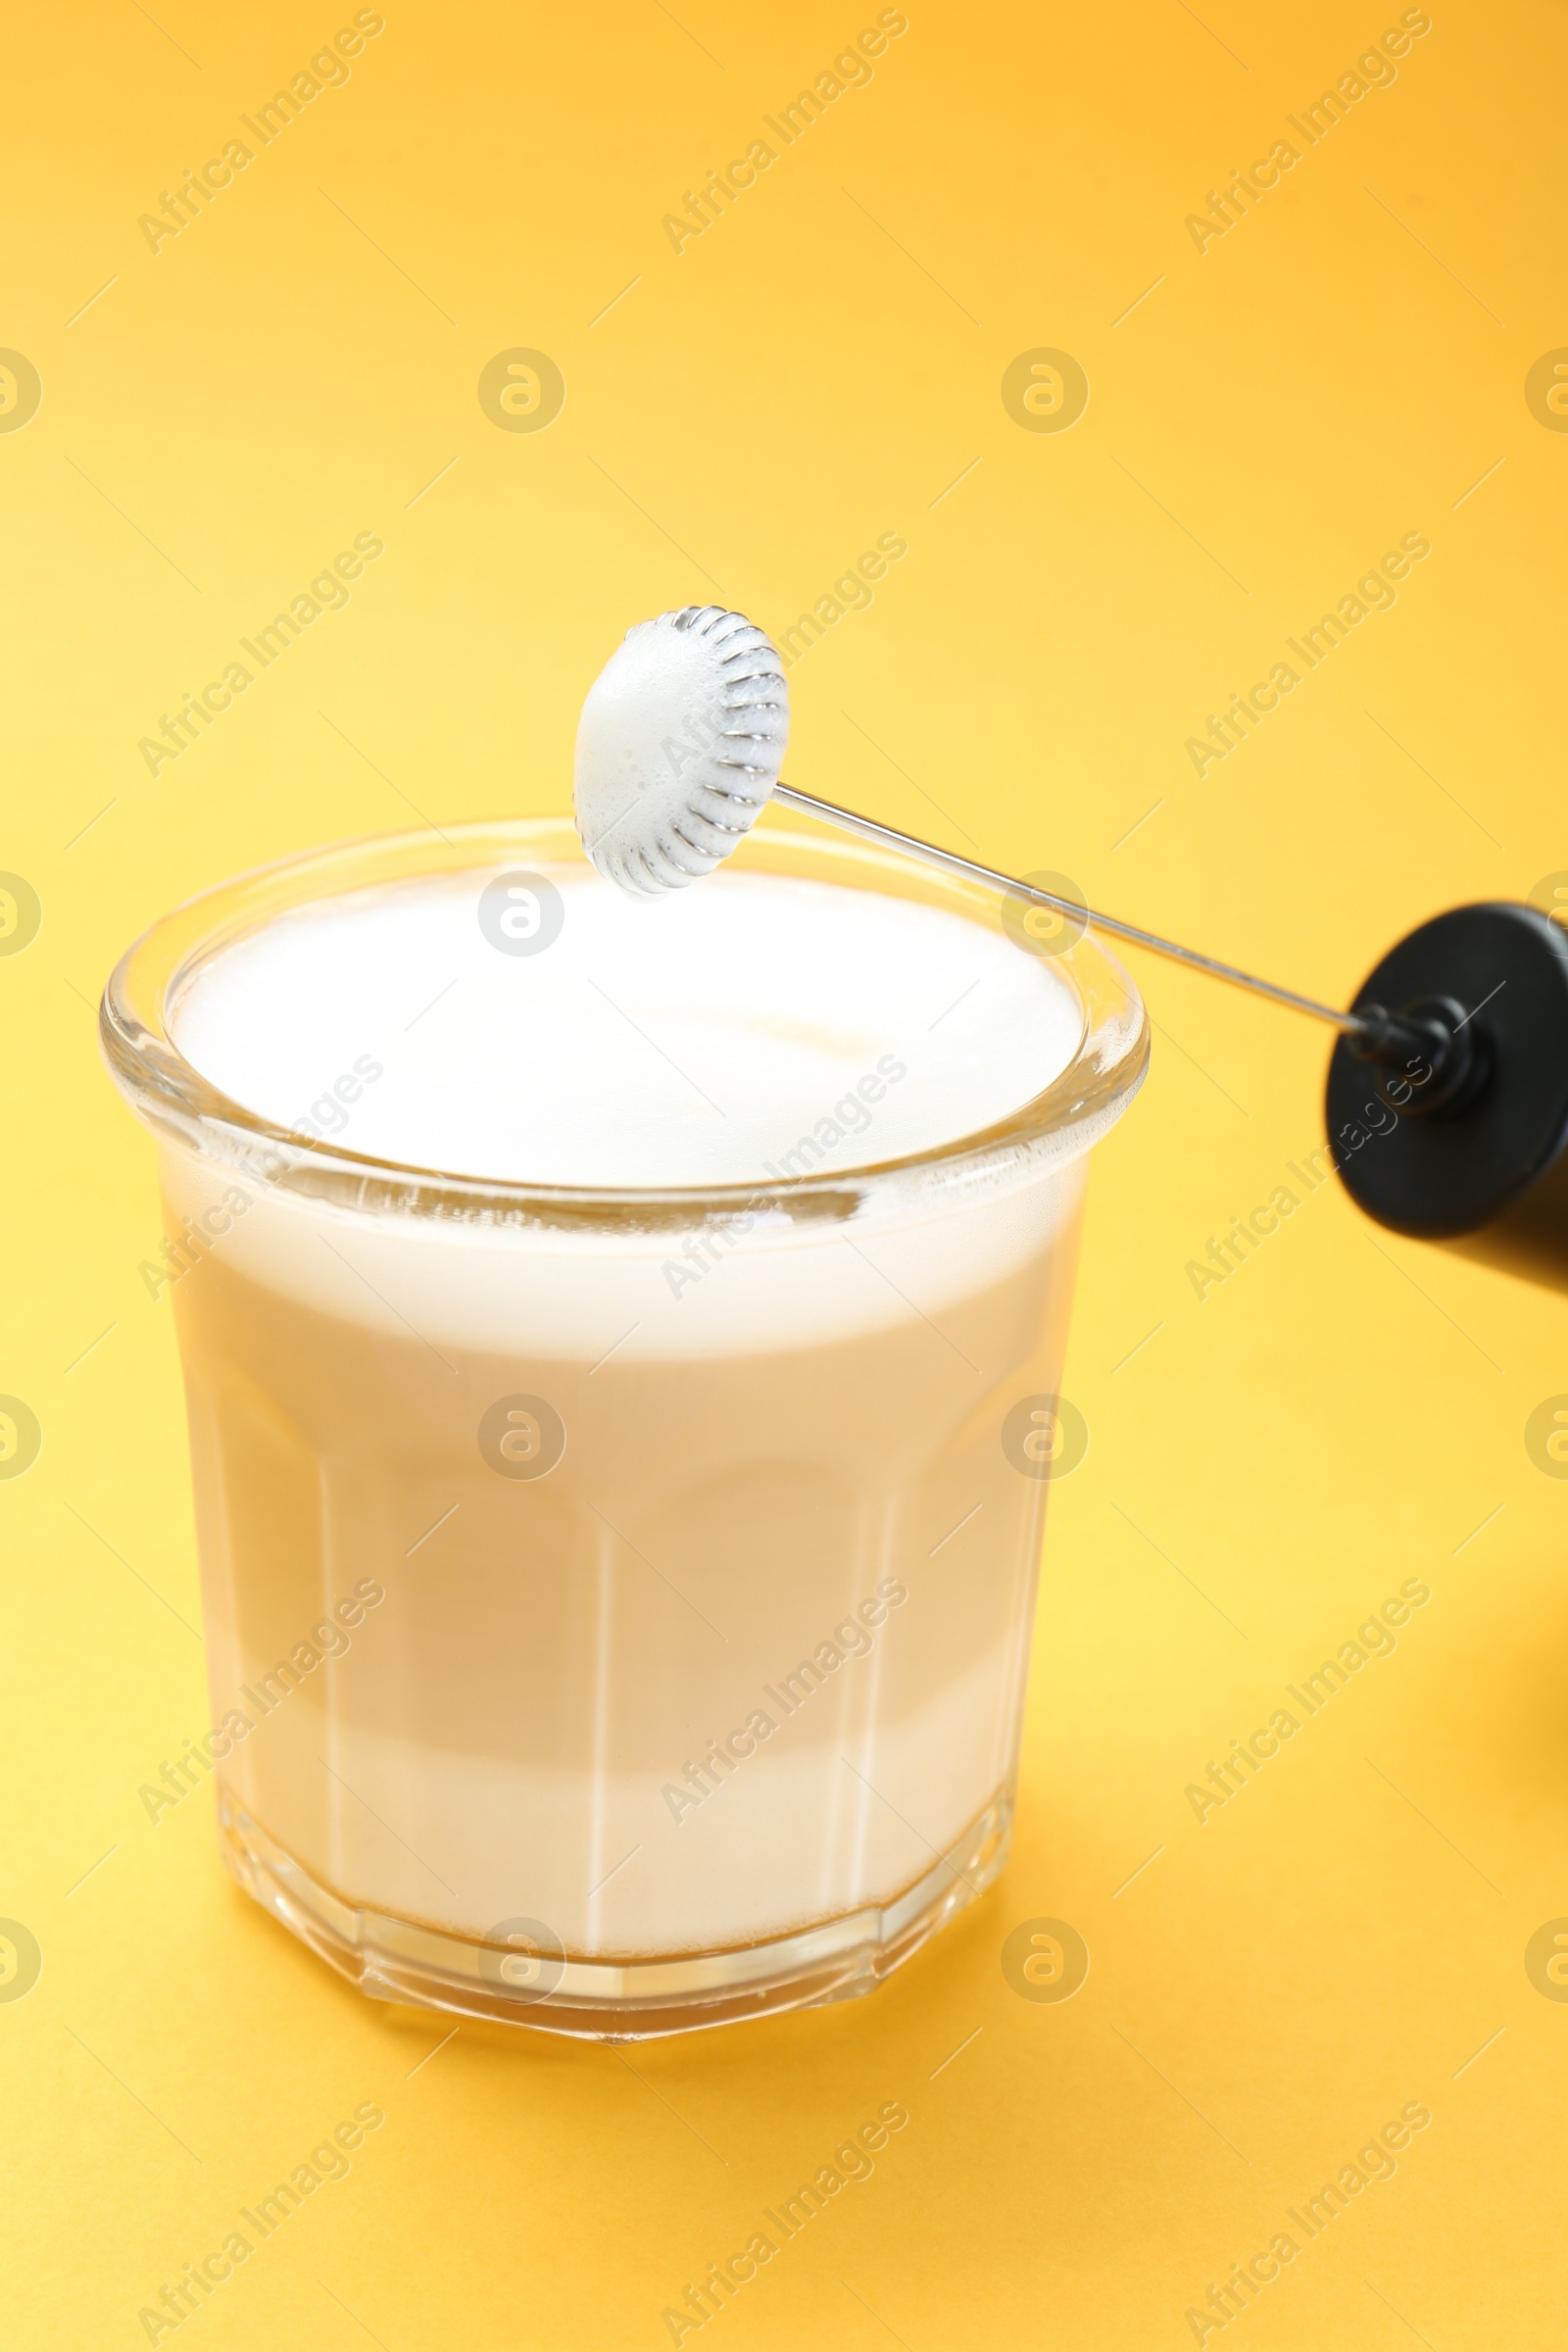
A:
{"points": [[1353, 1024]]}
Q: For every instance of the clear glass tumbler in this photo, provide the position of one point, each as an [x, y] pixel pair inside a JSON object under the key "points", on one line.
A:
{"points": [[584, 1655]]}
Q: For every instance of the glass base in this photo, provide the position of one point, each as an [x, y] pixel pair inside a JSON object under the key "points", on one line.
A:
{"points": [[394, 1959]]}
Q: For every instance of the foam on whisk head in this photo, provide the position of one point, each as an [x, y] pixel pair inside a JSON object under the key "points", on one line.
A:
{"points": [[680, 743]]}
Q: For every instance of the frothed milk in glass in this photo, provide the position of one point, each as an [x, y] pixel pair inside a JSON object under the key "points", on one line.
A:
{"points": [[622, 1346]]}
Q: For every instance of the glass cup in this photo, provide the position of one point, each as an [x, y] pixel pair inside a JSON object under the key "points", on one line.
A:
{"points": [[590, 1647]]}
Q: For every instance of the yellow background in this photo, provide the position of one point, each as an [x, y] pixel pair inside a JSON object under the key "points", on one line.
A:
{"points": [[817, 369]]}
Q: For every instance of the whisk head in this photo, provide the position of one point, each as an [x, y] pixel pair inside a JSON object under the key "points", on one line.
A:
{"points": [[680, 743]]}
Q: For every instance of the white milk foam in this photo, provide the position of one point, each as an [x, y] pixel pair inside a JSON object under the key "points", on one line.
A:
{"points": [[686, 1041]]}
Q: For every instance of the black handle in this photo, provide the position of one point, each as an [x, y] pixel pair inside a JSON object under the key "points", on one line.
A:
{"points": [[1449, 1120]]}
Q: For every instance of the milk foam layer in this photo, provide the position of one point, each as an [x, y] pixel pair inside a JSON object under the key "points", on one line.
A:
{"points": [[692, 1040]]}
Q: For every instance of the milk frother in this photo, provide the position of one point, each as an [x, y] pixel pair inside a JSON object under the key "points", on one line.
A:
{"points": [[1462, 1030]]}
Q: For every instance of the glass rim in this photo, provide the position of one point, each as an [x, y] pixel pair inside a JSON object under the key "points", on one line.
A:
{"points": [[141, 999]]}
